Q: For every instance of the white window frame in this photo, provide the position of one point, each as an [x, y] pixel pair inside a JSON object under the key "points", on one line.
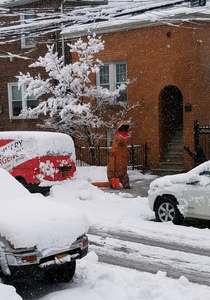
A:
{"points": [[24, 37], [23, 99], [112, 76], [110, 136]]}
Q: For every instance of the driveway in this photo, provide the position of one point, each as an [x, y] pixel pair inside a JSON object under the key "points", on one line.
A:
{"points": [[140, 187]]}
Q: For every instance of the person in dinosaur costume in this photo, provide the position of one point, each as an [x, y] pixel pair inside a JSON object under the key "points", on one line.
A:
{"points": [[118, 158]]}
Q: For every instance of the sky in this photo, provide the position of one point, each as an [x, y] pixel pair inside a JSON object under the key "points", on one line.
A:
{"points": [[121, 211]]}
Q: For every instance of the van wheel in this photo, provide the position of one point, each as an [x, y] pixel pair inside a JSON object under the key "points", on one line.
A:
{"points": [[21, 180]]}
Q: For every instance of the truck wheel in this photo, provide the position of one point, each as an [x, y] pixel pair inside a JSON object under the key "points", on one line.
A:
{"points": [[21, 180], [63, 273], [202, 2], [166, 210]]}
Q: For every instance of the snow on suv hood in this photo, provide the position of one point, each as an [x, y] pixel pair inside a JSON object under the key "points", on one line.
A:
{"points": [[27, 220], [190, 176]]}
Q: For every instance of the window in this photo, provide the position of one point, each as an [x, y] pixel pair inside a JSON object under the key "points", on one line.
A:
{"points": [[17, 101], [111, 76], [27, 38]]}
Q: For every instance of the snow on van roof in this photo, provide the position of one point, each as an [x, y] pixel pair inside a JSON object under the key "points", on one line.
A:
{"points": [[38, 143]]}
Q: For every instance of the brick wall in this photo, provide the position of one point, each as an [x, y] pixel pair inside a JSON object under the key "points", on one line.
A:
{"points": [[158, 57], [12, 66]]}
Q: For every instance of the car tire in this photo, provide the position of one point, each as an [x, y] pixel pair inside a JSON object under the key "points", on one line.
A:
{"points": [[166, 210], [21, 180], [63, 273], [202, 2]]}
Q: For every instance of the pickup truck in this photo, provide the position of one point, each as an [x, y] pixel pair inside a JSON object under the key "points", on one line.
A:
{"points": [[39, 237]]}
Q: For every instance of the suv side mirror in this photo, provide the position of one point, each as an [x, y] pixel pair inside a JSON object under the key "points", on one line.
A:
{"points": [[193, 179]]}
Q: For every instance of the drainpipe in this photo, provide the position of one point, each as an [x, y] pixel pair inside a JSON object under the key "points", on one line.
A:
{"points": [[62, 38]]}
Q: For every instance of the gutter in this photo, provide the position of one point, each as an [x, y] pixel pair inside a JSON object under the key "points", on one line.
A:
{"points": [[124, 25]]}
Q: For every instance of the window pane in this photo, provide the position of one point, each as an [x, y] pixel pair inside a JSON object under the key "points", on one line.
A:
{"points": [[120, 73], [121, 77], [31, 97], [104, 76], [16, 108], [31, 103], [122, 97], [28, 16], [28, 39], [31, 100], [16, 93]]}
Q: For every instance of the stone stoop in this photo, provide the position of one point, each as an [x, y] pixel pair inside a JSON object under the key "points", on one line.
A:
{"points": [[173, 161]]}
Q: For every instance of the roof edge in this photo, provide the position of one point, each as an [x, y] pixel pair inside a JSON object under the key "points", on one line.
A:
{"points": [[109, 27]]}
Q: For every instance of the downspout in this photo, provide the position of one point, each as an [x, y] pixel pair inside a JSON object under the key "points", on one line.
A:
{"points": [[62, 38]]}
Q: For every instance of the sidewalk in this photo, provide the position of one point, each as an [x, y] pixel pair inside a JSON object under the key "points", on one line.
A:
{"points": [[139, 181], [140, 186]]}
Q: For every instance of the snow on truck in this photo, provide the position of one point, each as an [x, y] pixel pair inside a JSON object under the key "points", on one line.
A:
{"points": [[37, 159]]}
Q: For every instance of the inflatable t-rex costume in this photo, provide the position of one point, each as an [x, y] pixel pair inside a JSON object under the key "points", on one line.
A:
{"points": [[118, 159]]}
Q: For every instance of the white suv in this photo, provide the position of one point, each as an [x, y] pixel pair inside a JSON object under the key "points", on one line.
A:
{"points": [[176, 197]]}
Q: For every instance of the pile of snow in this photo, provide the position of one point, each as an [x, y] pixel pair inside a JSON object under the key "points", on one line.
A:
{"points": [[97, 281], [7, 292]]}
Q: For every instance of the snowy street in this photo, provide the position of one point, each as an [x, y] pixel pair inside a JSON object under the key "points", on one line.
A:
{"points": [[130, 255], [142, 254]]}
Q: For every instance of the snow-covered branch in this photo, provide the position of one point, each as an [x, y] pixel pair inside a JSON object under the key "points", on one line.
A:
{"points": [[66, 93]]}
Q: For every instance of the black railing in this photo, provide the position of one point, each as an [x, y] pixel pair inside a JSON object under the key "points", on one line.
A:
{"points": [[202, 137], [99, 156]]}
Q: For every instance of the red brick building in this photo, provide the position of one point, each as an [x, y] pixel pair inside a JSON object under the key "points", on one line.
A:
{"points": [[168, 60]]}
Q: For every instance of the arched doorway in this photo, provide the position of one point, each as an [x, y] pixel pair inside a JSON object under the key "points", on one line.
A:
{"points": [[171, 115]]}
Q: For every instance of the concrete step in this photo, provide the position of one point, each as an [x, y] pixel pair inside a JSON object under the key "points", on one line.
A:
{"points": [[176, 140], [177, 157], [171, 165], [163, 172], [173, 155], [173, 150], [175, 147], [173, 161]]}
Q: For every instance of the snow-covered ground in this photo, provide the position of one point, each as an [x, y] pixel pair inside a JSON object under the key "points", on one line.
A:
{"points": [[121, 211]]}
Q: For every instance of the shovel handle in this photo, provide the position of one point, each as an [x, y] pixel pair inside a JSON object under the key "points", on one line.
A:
{"points": [[115, 165]]}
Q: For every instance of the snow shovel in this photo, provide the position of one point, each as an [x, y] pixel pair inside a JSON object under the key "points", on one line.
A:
{"points": [[101, 184], [115, 181]]}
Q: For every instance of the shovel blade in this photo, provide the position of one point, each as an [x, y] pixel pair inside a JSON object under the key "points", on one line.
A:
{"points": [[116, 183]]}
